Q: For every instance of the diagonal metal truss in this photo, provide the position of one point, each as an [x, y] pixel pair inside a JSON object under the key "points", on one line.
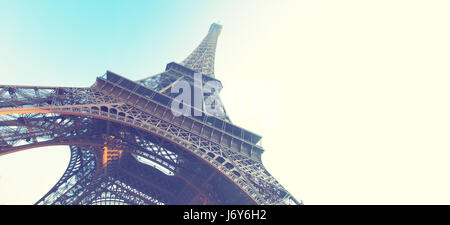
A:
{"points": [[202, 58], [128, 148]]}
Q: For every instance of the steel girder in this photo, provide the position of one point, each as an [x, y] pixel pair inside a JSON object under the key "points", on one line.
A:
{"points": [[43, 113], [109, 125]]}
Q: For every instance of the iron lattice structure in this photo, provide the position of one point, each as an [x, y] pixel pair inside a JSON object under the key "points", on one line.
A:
{"points": [[127, 147]]}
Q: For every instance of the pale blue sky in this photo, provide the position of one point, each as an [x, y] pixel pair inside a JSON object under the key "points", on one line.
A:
{"points": [[81, 39]]}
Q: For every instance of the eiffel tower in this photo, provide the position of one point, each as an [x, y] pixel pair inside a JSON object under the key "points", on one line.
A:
{"points": [[128, 147]]}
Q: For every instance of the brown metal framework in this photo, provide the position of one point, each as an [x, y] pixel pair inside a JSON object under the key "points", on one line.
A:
{"points": [[127, 147]]}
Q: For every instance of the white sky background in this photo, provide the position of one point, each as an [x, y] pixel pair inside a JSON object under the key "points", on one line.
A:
{"points": [[363, 110], [351, 98]]}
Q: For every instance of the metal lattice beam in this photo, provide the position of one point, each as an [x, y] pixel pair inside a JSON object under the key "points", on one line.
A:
{"points": [[127, 147]]}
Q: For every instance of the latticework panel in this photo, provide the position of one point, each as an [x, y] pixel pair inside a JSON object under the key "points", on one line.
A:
{"points": [[127, 146], [247, 173]]}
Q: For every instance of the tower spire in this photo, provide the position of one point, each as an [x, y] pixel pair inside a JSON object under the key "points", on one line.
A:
{"points": [[202, 58]]}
